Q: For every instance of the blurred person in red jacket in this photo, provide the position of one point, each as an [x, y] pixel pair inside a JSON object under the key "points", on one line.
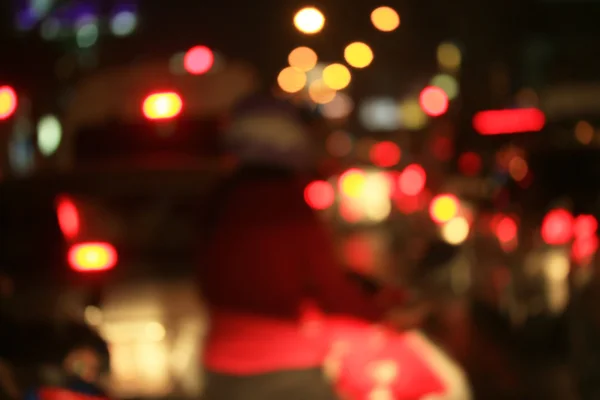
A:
{"points": [[267, 257]]}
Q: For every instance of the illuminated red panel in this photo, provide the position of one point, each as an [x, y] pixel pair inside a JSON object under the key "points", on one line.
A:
{"points": [[498, 122], [585, 226], [8, 102], [68, 217], [198, 60], [506, 230], [320, 195], [433, 101], [469, 163], [92, 257], [163, 105], [557, 227], [412, 180], [385, 154]]}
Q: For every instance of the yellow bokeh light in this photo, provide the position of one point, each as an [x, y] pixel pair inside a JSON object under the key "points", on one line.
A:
{"points": [[291, 80], [444, 208], [303, 58], [320, 93], [455, 231], [449, 56], [352, 183], [358, 55], [411, 115], [584, 132], [447, 83], [309, 20], [385, 19], [336, 76]]}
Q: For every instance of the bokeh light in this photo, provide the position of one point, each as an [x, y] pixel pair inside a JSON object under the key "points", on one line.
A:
{"points": [[123, 23], [49, 134], [198, 60], [584, 132], [557, 227], [336, 76], [291, 80], [385, 19], [411, 115], [455, 231], [162, 105], [379, 114], [469, 163], [339, 144], [517, 168], [87, 33], [321, 93], [412, 180], [443, 208], [433, 101], [385, 154], [309, 20], [8, 102], [352, 182], [449, 56], [303, 58], [320, 195], [340, 107], [50, 29], [447, 83], [358, 55]]}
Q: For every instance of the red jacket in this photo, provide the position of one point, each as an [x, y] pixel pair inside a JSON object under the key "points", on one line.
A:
{"points": [[268, 253]]}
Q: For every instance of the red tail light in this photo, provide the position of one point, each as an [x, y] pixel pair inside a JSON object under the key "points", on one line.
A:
{"points": [[557, 227], [443, 208], [92, 256], [412, 180], [68, 217], [497, 122], [163, 105], [319, 195]]}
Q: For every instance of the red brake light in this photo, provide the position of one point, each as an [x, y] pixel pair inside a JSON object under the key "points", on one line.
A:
{"points": [[68, 217], [92, 256], [319, 195], [412, 180], [497, 122], [8, 102], [164, 105], [443, 208], [557, 227]]}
